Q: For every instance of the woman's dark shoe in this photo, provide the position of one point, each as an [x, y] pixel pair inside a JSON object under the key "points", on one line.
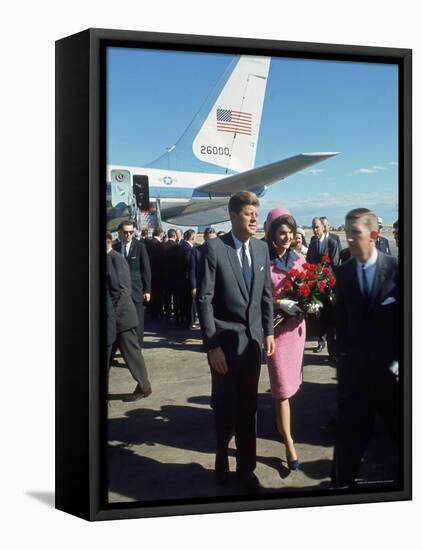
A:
{"points": [[293, 464]]}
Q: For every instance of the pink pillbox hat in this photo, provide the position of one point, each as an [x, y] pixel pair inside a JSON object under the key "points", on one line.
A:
{"points": [[273, 215]]}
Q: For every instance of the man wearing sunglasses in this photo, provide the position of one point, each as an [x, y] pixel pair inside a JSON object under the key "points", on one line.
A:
{"points": [[136, 255]]}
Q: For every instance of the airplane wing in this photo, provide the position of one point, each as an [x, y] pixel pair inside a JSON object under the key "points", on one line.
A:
{"points": [[195, 212], [264, 175]]}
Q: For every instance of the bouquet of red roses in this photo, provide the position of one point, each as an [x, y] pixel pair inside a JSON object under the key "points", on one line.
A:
{"points": [[310, 286]]}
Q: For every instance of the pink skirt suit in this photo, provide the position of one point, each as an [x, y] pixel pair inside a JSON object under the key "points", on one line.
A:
{"points": [[285, 365]]}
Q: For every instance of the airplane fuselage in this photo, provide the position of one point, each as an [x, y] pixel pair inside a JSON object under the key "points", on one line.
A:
{"points": [[169, 184]]}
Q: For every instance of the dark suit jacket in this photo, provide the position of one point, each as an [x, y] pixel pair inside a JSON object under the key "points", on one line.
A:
{"points": [[112, 297], [367, 335], [187, 251], [140, 269], [383, 245], [229, 316], [329, 248], [194, 266], [126, 316]]}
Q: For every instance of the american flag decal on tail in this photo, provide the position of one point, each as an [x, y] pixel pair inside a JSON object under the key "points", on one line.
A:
{"points": [[234, 122]]}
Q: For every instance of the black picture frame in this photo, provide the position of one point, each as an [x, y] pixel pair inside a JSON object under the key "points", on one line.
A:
{"points": [[80, 225]]}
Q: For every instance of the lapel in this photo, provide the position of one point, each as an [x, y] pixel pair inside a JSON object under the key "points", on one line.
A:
{"points": [[235, 264], [130, 251], [254, 248], [378, 285]]}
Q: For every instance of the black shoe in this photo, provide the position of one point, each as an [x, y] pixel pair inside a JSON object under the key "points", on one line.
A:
{"points": [[139, 393], [222, 468], [249, 482], [320, 346]]}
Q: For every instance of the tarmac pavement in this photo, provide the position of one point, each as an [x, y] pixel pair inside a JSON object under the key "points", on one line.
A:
{"points": [[162, 447]]}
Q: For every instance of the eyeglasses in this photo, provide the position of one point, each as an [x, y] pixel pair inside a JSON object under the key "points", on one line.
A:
{"points": [[128, 232]]}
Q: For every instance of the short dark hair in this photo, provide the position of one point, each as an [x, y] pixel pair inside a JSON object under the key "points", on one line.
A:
{"points": [[396, 224], [158, 231], [368, 217], [209, 231], [188, 234], [171, 233], [241, 199], [126, 222], [144, 232]]}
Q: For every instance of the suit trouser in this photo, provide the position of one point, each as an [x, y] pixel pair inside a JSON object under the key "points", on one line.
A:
{"points": [[327, 326], [234, 400], [128, 343], [140, 310], [359, 401]]}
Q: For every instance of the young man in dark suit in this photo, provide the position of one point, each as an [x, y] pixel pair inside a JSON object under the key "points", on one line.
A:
{"points": [[126, 320], [367, 345], [235, 310], [136, 255]]}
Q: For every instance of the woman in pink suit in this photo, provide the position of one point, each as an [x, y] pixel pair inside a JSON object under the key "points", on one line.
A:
{"points": [[285, 366]]}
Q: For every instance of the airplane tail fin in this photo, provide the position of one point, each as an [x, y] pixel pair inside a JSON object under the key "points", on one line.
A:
{"points": [[223, 136]]}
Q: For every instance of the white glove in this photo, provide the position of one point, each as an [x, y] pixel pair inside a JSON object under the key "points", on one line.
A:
{"points": [[288, 306]]}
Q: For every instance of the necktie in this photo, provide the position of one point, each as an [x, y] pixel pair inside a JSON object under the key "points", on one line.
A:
{"points": [[246, 268], [125, 251], [365, 287]]}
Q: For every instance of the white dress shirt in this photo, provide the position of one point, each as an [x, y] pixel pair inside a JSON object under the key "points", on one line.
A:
{"points": [[238, 246]]}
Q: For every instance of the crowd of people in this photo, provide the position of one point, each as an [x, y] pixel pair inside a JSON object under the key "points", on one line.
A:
{"points": [[233, 285]]}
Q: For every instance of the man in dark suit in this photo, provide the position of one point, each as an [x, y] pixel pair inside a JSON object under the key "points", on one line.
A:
{"points": [[154, 248], [382, 243], [197, 251], [367, 345], [112, 299], [126, 324], [140, 270], [186, 247], [321, 246], [235, 308], [169, 287]]}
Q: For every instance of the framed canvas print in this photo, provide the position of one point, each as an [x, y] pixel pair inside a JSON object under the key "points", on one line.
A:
{"points": [[233, 274]]}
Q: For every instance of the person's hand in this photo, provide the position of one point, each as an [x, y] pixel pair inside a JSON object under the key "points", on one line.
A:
{"points": [[193, 293], [288, 306], [269, 345], [217, 360], [147, 297]]}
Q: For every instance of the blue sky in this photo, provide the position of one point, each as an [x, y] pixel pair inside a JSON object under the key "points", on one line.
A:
{"points": [[310, 106]]}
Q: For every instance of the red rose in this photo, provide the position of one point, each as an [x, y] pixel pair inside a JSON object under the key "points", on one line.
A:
{"points": [[326, 270], [311, 283], [322, 286], [304, 290], [326, 260], [312, 267], [293, 273], [332, 281], [287, 285]]}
